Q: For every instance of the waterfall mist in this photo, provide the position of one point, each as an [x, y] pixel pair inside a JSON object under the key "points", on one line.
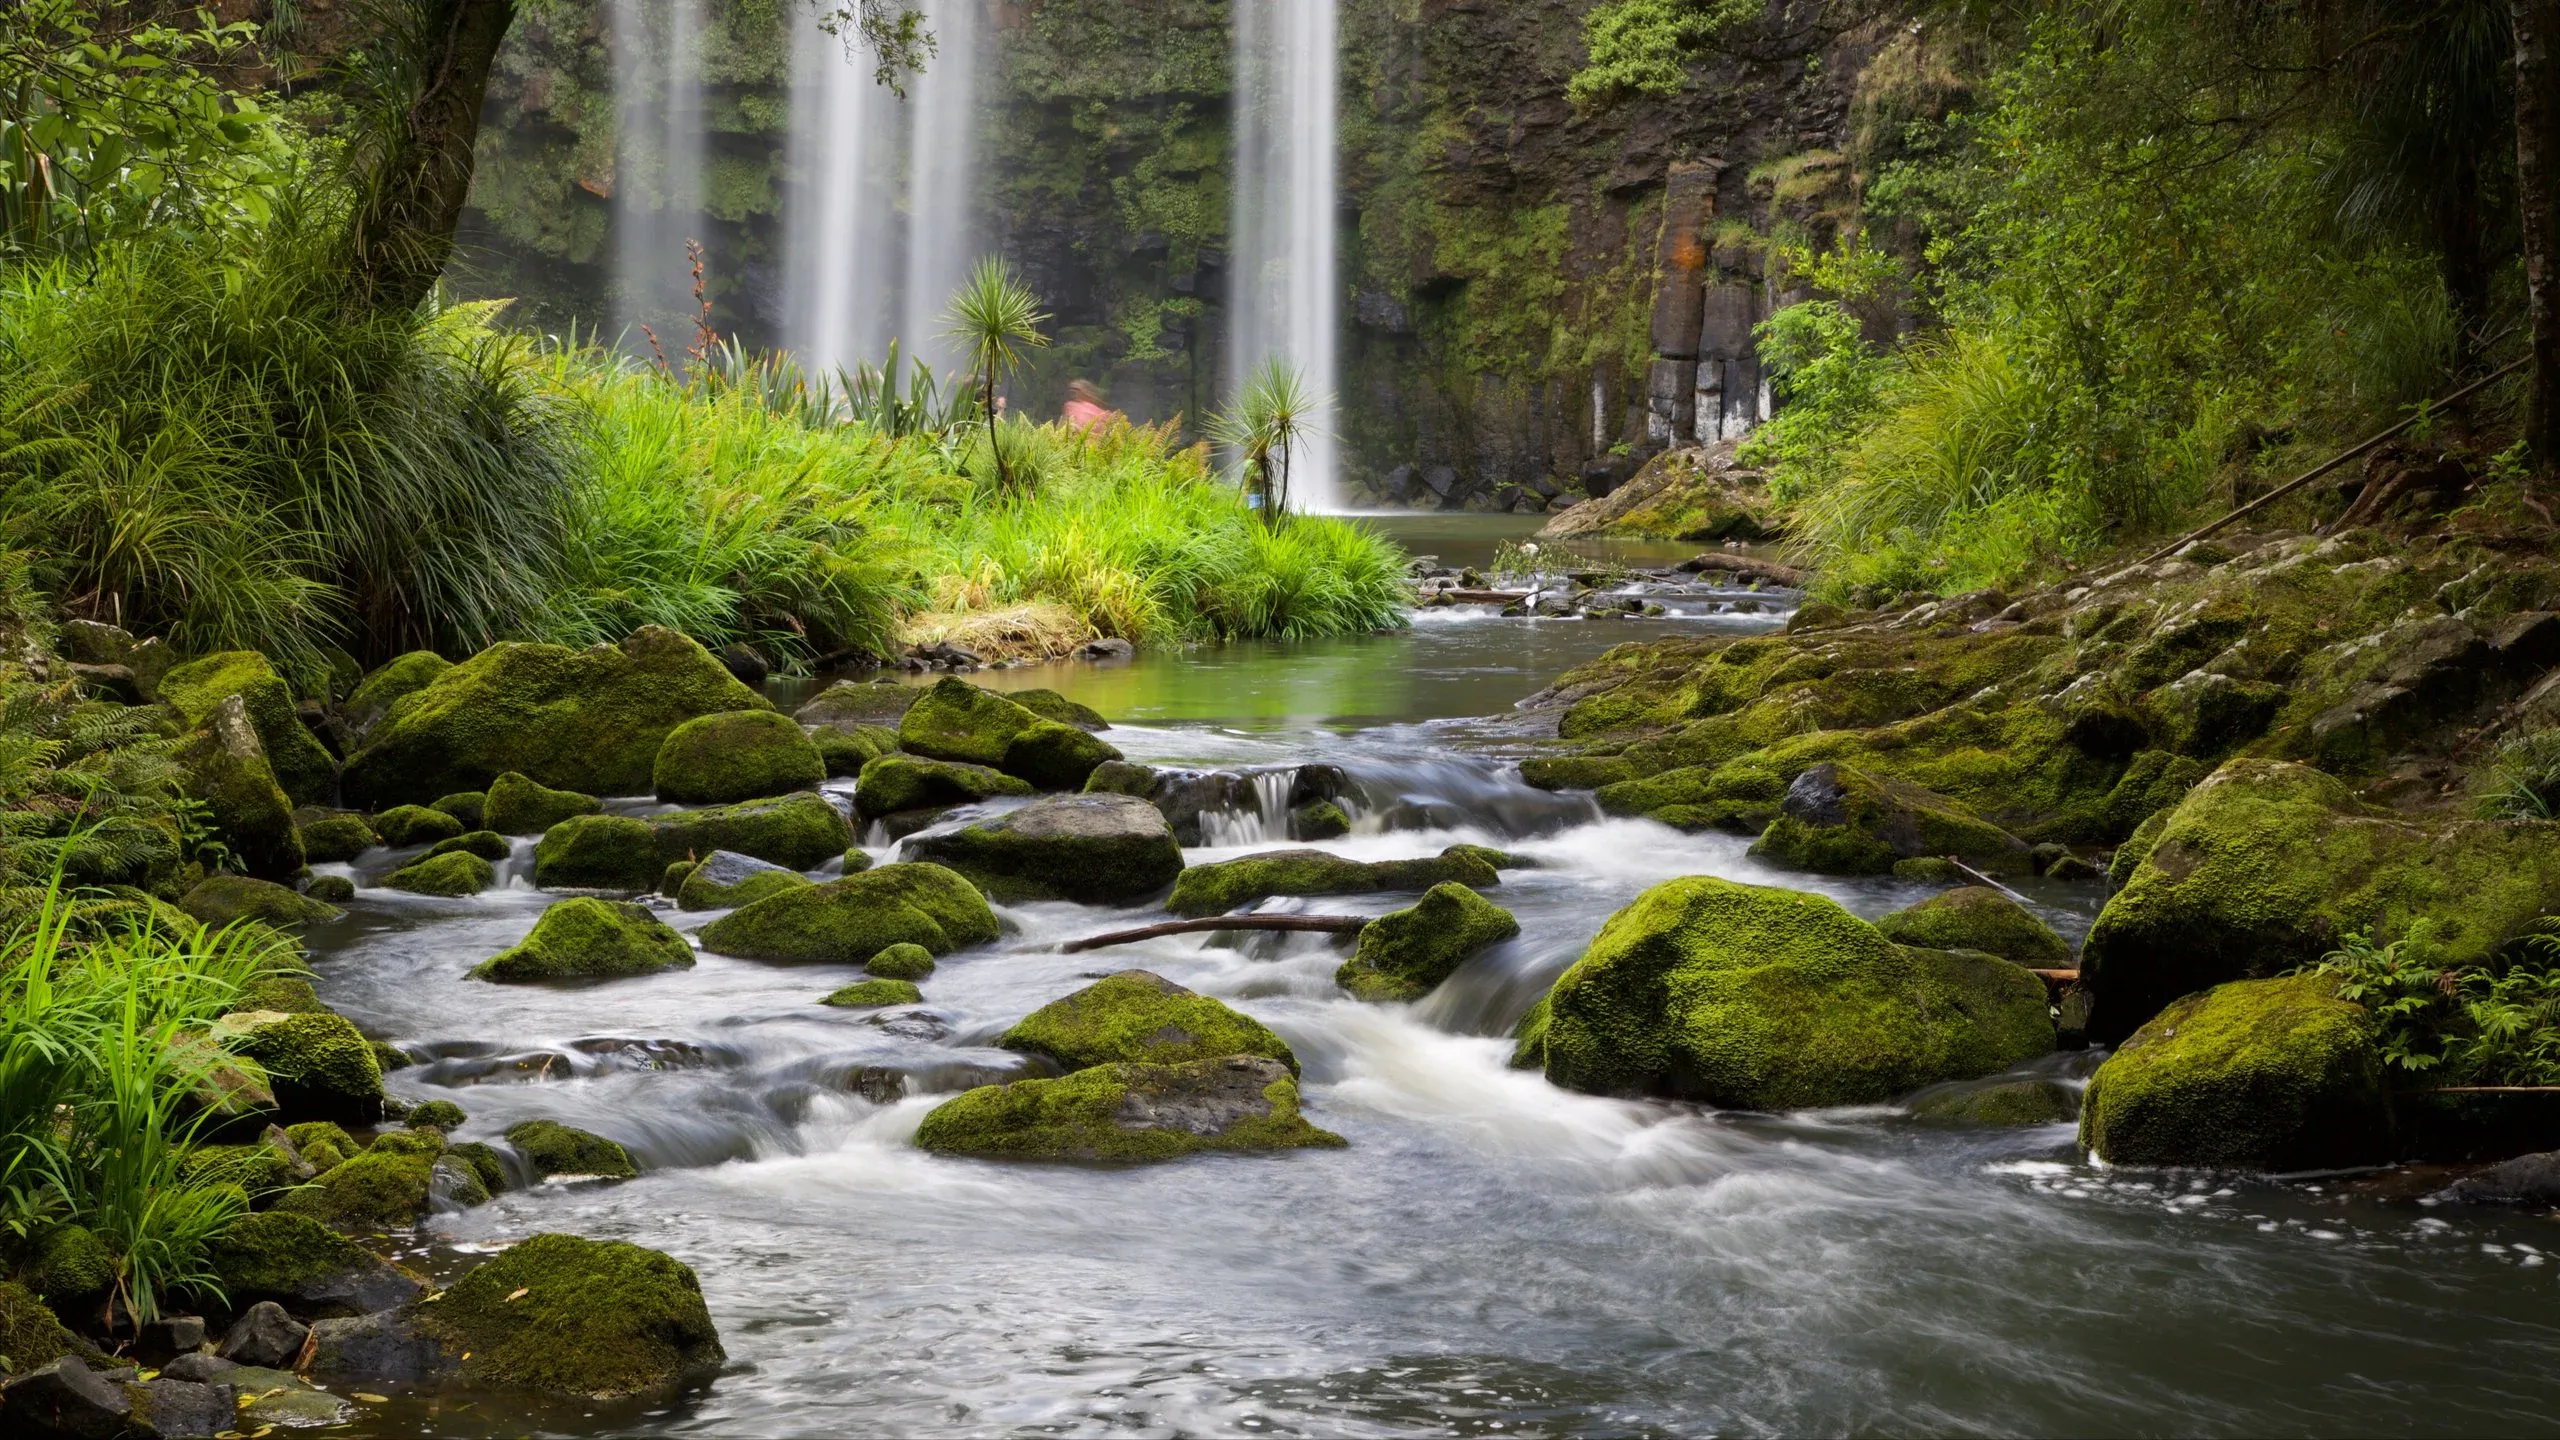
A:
{"points": [[1284, 294], [658, 164]]}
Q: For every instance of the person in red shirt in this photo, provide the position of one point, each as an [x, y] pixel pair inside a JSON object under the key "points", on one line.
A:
{"points": [[1084, 409]]}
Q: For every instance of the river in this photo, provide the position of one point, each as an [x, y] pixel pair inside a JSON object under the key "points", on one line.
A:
{"points": [[1491, 1255]]}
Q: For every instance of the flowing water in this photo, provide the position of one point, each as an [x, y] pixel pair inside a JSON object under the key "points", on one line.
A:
{"points": [[1284, 293], [1491, 1255], [658, 165]]}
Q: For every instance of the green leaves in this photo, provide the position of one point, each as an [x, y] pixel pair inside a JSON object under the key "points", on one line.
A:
{"points": [[1642, 47]]}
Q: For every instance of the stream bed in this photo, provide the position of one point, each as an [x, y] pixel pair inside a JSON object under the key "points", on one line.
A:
{"points": [[1490, 1255]]}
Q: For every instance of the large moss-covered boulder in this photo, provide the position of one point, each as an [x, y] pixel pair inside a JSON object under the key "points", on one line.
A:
{"points": [[740, 755], [406, 825], [850, 920], [335, 836], [586, 720], [303, 1265], [226, 767], [399, 677], [1129, 1113], [847, 751], [892, 783], [800, 832], [2265, 865], [225, 899], [1836, 820], [518, 806], [1403, 953], [2275, 1074], [1139, 1016], [598, 852], [551, 1148], [1977, 917], [1100, 849], [1056, 756], [301, 763], [1765, 999], [451, 874], [589, 939], [1233, 884], [598, 1318], [320, 1066], [30, 1334], [956, 720], [725, 880], [849, 705]]}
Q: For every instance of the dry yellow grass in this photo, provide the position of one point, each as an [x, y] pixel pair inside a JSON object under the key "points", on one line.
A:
{"points": [[1038, 630]]}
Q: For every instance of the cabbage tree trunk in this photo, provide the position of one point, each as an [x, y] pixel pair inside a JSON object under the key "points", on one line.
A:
{"points": [[422, 171], [2537, 28]]}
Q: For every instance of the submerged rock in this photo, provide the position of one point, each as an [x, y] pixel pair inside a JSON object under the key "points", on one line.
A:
{"points": [[1839, 821], [220, 900], [552, 1148], [1764, 999], [1977, 917], [2526, 1180], [1140, 1016], [2016, 1102], [1403, 953], [1098, 849], [2257, 1074], [518, 806], [740, 755], [1129, 1113], [850, 920], [1233, 884], [589, 939], [893, 783], [725, 880], [800, 832], [302, 765]]}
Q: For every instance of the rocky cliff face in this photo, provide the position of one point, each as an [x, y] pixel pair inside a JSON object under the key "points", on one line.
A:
{"points": [[1535, 298]]}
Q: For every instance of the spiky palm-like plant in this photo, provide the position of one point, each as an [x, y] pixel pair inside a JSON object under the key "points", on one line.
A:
{"points": [[996, 317], [1272, 413]]}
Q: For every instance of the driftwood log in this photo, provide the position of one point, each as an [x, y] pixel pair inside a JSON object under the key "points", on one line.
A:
{"points": [[1324, 924], [1747, 566]]}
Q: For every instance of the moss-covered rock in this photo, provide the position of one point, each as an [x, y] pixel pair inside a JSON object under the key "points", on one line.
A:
{"points": [[1767, 999], [291, 994], [579, 1317], [551, 1148], [330, 889], [381, 1189], [845, 752], [301, 763], [303, 1265], [1403, 953], [219, 900], [486, 1164], [1839, 821], [259, 1170], [322, 1144], [1120, 777], [2128, 857], [487, 844], [589, 939], [725, 881], [850, 920], [405, 825], [2264, 866], [2011, 1102], [900, 962], [226, 767], [589, 720], [1319, 820], [1575, 772], [338, 836], [799, 832], [320, 1066], [69, 1265], [598, 852], [893, 783], [2274, 1074], [1142, 1017], [1233, 884], [1050, 705], [518, 806], [1977, 917], [1129, 1113], [1054, 756], [1099, 849], [740, 755], [400, 676], [437, 1114], [467, 806], [850, 705], [870, 994], [30, 1334], [956, 720], [454, 873]]}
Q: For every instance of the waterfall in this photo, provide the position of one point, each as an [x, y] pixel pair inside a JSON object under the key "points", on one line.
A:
{"points": [[658, 164], [1283, 294], [941, 168]]}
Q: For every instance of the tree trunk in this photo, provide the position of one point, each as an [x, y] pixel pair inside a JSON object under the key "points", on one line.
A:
{"points": [[2537, 27], [404, 231]]}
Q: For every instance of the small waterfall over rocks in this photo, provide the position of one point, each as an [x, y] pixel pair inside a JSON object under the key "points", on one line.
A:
{"points": [[1286, 291]]}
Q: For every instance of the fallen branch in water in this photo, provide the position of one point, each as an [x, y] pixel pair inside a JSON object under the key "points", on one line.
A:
{"points": [[1326, 924], [1746, 565]]}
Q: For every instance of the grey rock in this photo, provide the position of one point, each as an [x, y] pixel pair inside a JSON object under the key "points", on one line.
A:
{"points": [[848, 703], [1098, 848], [1108, 648], [265, 1335], [66, 1398], [2525, 1180], [200, 1366], [184, 1407], [386, 1345]]}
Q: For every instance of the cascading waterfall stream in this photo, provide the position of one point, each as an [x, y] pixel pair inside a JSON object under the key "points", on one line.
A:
{"points": [[1284, 294], [941, 173], [657, 187]]}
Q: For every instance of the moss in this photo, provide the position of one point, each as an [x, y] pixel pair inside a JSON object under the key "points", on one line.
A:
{"points": [[258, 1170], [1841, 821], [1109, 1113], [855, 706], [399, 677], [1403, 953], [1758, 998], [552, 1148], [322, 1144], [485, 1163], [845, 752], [956, 720], [676, 874], [1575, 772], [301, 763], [377, 1190], [1053, 756], [405, 825], [1977, 917], [30, 1334], [518, 806], [220, 900], [441, 1114], [1098, 849], [2266, 865], [900, 962], [2017, 1102], [1742, 780], [226, 767], [867, 994], [579, 1317], [1119, 777], [281, 1254], [799, 832], [466, 806], [487, 844], [1142, 1017], [598, 852], [589, 939], [1050, 705], [1319, 820], [590, 720], [857, 860], [428, 1142], [1233, 884], [905, 782], [320, 1066], [699, 891], [2274, 1074], [453, 873], [850, 920], [2128, 856], [336, 837], [330, 889], [69, 1264], [741, 755]]}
